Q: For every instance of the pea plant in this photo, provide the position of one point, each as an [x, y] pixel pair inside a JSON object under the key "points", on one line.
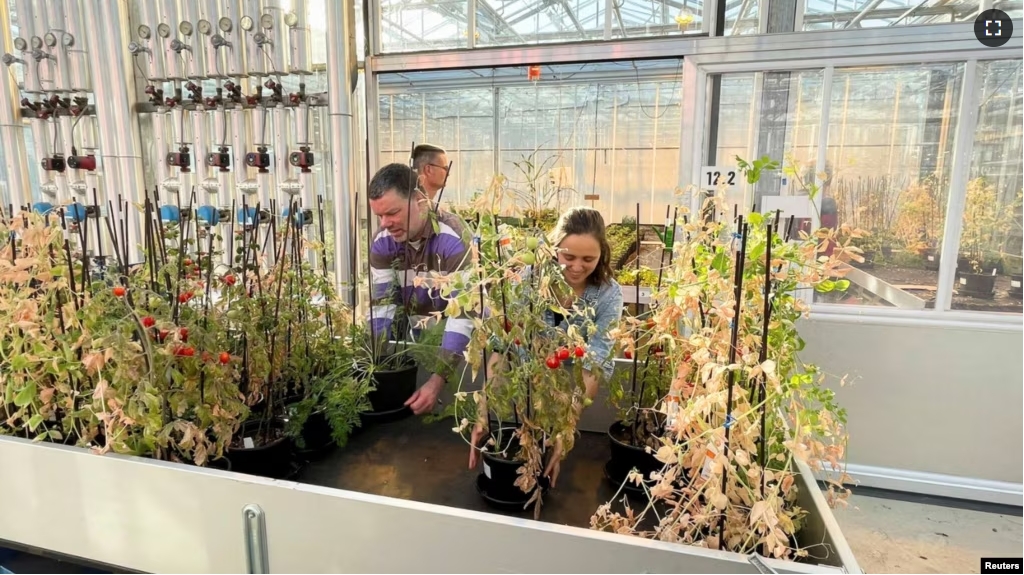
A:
{"points": [[741, 406]]}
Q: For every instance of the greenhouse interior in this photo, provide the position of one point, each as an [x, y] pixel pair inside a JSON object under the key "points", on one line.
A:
{"points": [[681, 286]]}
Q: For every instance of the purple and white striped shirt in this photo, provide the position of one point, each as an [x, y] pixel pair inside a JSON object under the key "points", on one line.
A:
{"points": [[445, 251]]}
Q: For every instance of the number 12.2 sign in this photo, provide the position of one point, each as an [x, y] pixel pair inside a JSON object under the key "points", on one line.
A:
{"points": [[714, 176]]}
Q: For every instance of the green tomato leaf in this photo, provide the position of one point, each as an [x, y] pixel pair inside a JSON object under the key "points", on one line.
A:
{"points": [[34, 422], [26, 395], [721, 262]]}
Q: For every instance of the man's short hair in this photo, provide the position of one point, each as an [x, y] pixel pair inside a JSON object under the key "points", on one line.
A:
{"points": [[424, 154], [398, 177]]}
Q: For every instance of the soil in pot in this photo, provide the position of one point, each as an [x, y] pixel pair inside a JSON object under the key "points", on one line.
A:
{"points": [[500, 472], [977, 285], [261, 450], [393, 388]]}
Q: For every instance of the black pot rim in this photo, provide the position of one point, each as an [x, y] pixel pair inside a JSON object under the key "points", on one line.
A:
{"points": [[275, 422], [495, 458], [622, 425]]}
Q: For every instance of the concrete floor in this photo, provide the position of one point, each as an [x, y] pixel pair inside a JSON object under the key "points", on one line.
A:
{"points": [[897, 536]]}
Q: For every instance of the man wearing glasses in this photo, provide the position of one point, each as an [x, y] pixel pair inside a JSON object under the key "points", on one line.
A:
{"points": [[431, 162]]}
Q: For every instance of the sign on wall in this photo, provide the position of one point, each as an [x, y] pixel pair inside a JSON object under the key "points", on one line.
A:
{"points": [[713, 176]]}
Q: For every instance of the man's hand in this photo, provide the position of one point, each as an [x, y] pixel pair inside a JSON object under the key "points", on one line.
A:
{"points": [[424, 399]]}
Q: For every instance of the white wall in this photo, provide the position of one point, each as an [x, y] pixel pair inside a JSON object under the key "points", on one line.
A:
{"points": [[931, 406]]}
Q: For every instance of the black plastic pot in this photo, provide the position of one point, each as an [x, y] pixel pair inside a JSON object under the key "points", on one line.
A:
{"points": [[887, 252], [392, 389], [272, 460], [868, 263], [497, 482], [1015, 286], [931, 259], [316, 435], [977, 285], [626, 457]]}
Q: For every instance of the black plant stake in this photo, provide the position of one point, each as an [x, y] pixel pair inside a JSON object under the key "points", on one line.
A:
{"points": [[764, 352], [738, 294]]}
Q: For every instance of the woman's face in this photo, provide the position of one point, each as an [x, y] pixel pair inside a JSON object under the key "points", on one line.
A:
{"points": [[580, 254]]}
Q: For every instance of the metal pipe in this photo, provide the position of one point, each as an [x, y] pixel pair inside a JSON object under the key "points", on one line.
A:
{"points": [[166, 30], [161, 147], [340, 85], [231, 31], [299, 39], [39, 139], [77, 48], [259, 137], [149, 16], [25, 26], [44, 68], [206, 29], [12, 130], [195, 54], [115, 98], [56, 27], [276, 51], [860, 15], [75, 185], [255, 61], [201, 146], [220, 126], [182, 179], [302, 139], [286, 185], [239, 146]]}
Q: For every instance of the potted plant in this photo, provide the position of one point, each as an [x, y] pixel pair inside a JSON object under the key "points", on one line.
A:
{"points": [[985, 223], [741, 404], [533, 393]]}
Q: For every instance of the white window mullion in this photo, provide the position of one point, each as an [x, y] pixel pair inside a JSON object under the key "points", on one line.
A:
{"points": [[962, 148], [826, 116]]}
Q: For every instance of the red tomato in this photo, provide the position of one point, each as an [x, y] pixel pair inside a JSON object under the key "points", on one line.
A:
{"points": [[119, 291], [508, 326], [183, 334], [579, 352], [628, 354], [148, 321], [225, 357], [229, 280], [184, 297], [188, 262], [518, 342], [553, 362], [189, 351], [563, 354], [163, 334]]}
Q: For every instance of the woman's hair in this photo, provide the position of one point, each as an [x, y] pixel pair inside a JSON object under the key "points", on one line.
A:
{"points": [[586, 221]]}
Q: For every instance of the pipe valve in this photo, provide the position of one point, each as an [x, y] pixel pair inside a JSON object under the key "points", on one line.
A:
{"points": [[180, 159], [9, 59], [220, 159], [259, 159], [303, 159], [218, 41], [134, 48], [178, 46]]}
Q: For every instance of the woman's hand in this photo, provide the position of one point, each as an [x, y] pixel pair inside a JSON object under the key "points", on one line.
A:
{"points": [[554, 462], [479, 433]]}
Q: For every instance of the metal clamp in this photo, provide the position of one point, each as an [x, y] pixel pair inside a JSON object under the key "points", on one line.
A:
{"points": [[254, 529], [758, 562]]}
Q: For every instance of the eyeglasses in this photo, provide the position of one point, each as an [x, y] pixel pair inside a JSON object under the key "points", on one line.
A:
{"points": [[445, 168]]}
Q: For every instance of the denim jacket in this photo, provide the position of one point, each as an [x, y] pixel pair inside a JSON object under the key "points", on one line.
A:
{"points": [[594, 314]]}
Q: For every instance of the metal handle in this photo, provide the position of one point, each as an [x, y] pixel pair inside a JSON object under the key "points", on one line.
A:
{"points": [[254, 529]]}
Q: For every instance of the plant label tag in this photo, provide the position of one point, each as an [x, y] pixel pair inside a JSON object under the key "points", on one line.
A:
{"points": [[487, 470], [1014, 283], [931, 258], [963, 281], [710, 453], [248, 443]]}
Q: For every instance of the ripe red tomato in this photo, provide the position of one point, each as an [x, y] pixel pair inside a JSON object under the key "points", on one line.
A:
{"points": [[148, 321], [579, 351], [508, 326], [163, 335], [563, 354], [184, 297], [553, 362], [188, 261], [189, 351], [628, 354], [518, 342], [225, 357], [183, 334], [119, 291], [229, 280]]}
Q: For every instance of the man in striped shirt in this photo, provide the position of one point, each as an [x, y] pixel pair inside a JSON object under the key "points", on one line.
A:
{"points": [[413, 241]]}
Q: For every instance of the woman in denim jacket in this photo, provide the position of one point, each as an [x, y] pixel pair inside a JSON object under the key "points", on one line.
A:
{"points": [[595, 306]]}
